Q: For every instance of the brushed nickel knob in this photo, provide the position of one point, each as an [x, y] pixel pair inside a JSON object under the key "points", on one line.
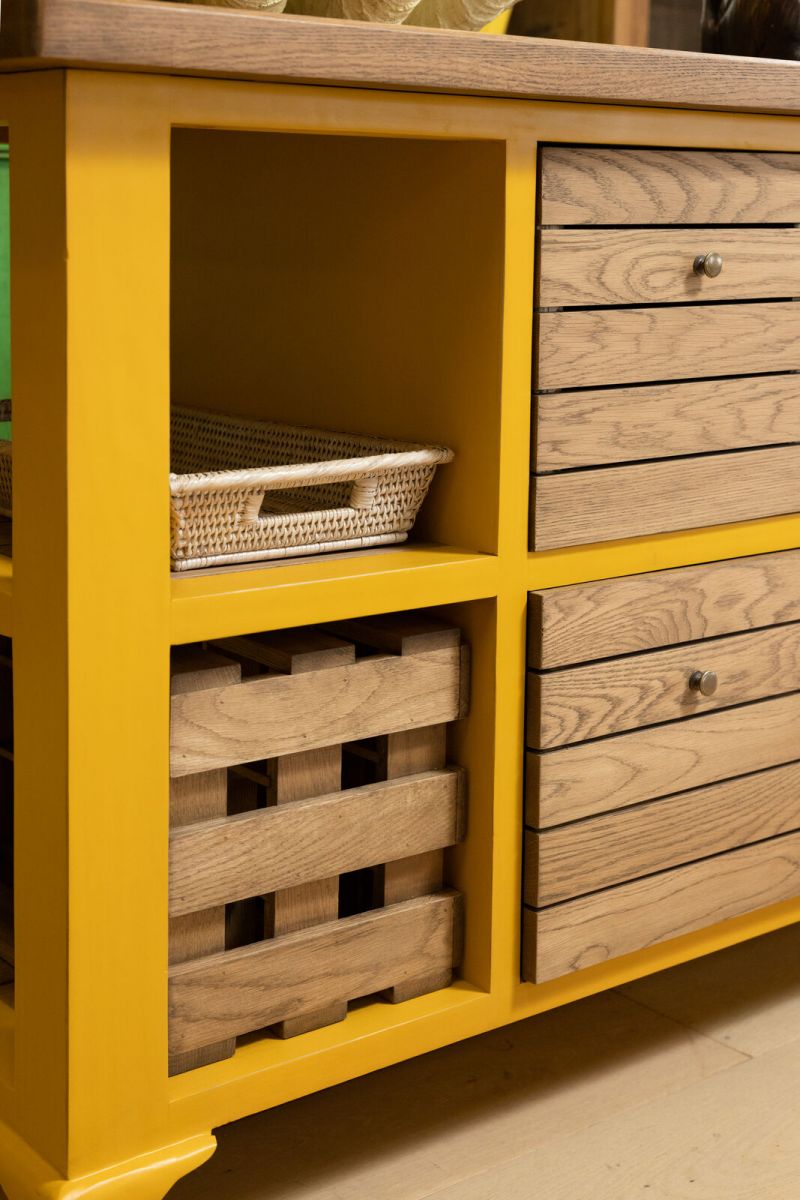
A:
{"points": [[704, 682], [708, 264]]}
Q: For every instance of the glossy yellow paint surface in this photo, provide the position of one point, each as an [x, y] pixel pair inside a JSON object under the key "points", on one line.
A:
{"points": [[97, 166]]}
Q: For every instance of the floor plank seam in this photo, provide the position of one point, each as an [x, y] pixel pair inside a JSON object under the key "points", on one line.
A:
{"points": [[689, 1028]]}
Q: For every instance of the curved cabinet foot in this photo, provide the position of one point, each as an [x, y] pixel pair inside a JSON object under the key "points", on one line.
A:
{"points": [[26, 1176]]}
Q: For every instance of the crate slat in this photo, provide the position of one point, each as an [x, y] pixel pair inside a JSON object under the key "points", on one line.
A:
{"points": [[282, 714], [230, 994], [216, 862]]}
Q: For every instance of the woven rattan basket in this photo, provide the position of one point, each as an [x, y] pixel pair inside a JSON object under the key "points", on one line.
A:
{"points": [[246, 490]]}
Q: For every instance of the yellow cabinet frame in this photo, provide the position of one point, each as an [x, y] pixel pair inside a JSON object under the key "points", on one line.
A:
{"points": [[85, 1100]]}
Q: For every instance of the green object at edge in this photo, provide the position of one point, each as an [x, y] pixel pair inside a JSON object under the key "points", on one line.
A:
{"points": [[5, 280]]}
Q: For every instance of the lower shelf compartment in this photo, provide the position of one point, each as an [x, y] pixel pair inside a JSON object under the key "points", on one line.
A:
{"points": [[634, 916]]}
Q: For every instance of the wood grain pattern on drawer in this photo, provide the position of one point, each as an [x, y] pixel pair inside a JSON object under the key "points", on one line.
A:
{"points": [[596, 777], [607, 617], [575, 508], [640, 345], [581, 933], [655, 266], [589, 855], [627, 424], [577, 703], [608, 186]]}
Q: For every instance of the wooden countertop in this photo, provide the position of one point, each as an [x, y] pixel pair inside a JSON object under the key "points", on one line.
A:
{"points": [[154, 36]]}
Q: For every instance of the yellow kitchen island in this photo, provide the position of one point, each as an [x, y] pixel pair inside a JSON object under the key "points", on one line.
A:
{"points": [[347, 226]]}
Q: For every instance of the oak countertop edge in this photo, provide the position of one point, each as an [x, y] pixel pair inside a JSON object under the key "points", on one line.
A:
{"points": [[167, 38]]}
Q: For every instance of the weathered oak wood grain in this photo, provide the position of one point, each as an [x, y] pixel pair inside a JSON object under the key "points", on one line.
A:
{"points": [[607, 617], [581, 933], [215, 862], [402, 754], [612, 186], [274, 715], [640, 345], [577, 703], [199, 797], [253, 987], [627, 424], [182, 38], [655, 266], [589, 855], [580, 507], [581, 781]]}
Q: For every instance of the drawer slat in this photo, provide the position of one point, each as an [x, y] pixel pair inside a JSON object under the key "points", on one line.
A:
{"points": [[607, 617], [233, 993], [578, 703], [590, 855], [581, 933], [641, 345], [655, 266], [627, 424], [608, 186], [581, 781], [577, 508]]}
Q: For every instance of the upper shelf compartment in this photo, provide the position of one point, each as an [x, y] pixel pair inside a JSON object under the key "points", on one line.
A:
{"points": [[348, 283]]}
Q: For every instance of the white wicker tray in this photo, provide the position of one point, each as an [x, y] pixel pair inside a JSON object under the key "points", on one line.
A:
{"points": [[242, 491]]}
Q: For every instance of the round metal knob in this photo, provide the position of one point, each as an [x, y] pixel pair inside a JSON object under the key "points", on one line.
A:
{"points": [[704, 682], [708, 264]]}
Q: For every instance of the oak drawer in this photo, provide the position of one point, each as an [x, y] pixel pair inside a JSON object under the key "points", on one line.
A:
{"points": [[574, 704], [633, 916], [640, 345], [594, 428], [634, 500], [586, 856], [612, 186], [657, 266]]}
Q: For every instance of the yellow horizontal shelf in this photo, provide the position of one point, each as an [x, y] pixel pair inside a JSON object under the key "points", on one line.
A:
{"points": [[271, 1071], [228, 602], [6, 590], [631, 556]]}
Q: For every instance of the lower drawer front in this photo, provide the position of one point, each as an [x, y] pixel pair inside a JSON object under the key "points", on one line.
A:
{"points": [[589, 855], [582, 933], [578, 703]]}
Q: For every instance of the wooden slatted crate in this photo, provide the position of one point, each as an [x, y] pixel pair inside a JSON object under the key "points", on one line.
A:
{"points": [[311, 804]]}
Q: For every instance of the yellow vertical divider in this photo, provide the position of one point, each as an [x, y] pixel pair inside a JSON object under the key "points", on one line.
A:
{"points": [[520, 219], [118, 599]]}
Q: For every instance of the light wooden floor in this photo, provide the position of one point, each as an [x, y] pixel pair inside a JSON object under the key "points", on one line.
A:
{"points": [[683, 1085]]}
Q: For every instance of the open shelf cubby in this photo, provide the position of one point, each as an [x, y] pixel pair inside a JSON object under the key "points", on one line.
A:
{"points": [[350, 283]]}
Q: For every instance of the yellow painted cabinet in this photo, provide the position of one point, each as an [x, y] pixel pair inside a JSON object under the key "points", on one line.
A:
{"points": [[352, 258]]}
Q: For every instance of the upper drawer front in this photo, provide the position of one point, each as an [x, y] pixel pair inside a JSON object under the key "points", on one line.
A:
{"points": [[597, 186], [610, 617], [642, 345], [596, 428], [654, 266], [580, 507]]}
